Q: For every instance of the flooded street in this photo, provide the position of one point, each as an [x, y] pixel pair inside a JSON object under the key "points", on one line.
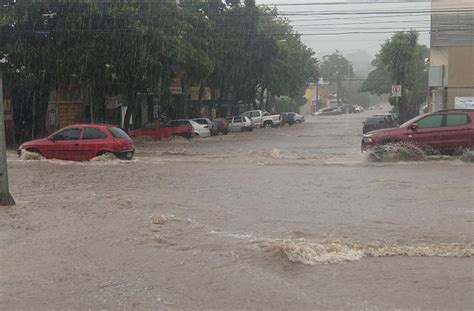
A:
{"points": [[291, 218]]}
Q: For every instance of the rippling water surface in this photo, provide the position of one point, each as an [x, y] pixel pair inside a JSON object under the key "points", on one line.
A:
{"points": [[292, 218]]}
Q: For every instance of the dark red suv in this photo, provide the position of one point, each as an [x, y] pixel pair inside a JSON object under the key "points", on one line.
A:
{"points": [[445, 130]]}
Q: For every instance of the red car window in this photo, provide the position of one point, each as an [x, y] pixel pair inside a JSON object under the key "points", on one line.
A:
{"points": [[430, 121], [93, 133], [68, 134]]}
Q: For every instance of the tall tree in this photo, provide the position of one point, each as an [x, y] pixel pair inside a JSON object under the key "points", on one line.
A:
{"points": [[401, 61], [337, 69]]}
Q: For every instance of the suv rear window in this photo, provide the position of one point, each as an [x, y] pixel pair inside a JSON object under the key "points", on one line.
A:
{"points": [[118, 133], [456, 119]]}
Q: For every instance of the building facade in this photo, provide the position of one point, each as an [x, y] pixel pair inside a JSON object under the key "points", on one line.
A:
{"points": [[451, 77]]}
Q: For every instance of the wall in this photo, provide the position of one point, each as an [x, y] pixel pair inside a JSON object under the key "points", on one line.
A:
{"points": [[461, 73]]}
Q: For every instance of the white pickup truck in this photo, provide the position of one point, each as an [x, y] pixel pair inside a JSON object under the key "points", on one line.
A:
{"points": [[261, 118]]}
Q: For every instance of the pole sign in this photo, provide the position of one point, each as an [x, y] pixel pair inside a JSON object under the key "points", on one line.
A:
{"points": [[5, 197], [397, 90]]}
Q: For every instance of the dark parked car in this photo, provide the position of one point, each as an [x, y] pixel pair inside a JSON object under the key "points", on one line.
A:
{"points": [[291, 118], [378, 122], [374, 123], [446, 130], [222, 125], [348, 109]]}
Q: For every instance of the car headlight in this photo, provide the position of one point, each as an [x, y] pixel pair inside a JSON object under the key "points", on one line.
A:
{"points": [[367, 139]]}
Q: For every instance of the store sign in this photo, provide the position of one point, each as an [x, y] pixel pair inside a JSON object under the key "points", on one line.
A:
{"points": [[466, 102], [176, 86], [113, 102], [206, 93]]}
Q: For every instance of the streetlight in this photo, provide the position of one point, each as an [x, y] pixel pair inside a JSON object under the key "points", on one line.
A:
{"points": [[6, 198]]}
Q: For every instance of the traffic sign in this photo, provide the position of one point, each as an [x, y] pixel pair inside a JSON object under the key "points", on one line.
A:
{"points": [[397, 90]]}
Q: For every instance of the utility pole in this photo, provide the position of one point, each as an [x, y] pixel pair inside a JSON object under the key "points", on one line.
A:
{"points": [[5, 197]]}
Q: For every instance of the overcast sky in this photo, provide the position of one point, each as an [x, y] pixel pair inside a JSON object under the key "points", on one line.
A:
{"points": [[312, 18]]}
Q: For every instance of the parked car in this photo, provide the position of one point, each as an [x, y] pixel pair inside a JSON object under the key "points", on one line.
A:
{"points": [[211, 125], [262, 118], [240, 124], [83, 142], [348, 109], [291, 118], [222, 125], [358, 108], [156, 131], [328, 111], [392, 119], [446, 130], [375, 123]]}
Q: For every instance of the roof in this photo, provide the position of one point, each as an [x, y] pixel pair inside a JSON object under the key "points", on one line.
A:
{"points": [[454, 110], [92, 124]]}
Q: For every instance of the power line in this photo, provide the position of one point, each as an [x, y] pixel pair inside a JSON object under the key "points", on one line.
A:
{"points": [[362, 13], [342, 3]]}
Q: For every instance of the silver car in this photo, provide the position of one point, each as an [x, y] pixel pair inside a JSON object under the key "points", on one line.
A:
{"points": [[240, 124]]}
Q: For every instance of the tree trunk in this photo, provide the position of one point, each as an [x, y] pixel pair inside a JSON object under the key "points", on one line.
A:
{"points": [[130, 108], [262, 91]]}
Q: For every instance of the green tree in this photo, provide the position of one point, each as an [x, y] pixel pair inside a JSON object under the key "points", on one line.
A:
{"points": [[378, 81], [337, 69], [401, 58]]}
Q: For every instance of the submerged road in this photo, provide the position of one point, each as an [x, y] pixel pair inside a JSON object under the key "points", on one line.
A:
{"points": [[291, 218]]}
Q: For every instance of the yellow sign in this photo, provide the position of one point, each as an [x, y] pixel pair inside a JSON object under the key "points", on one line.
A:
{"points": [[206, 94], [308, 94], [7, 105]]}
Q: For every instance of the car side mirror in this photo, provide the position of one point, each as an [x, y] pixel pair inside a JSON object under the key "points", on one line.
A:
{"points": [[413, 127]]}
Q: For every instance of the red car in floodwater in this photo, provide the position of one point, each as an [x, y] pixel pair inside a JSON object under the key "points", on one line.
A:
{"points": [[83, 142], [156, 131], [446, 130]]}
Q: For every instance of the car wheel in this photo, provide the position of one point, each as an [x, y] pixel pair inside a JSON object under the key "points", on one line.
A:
{"points": [[268, 124], [298, 121], [107, 155], [388, 141], [34, 150]]}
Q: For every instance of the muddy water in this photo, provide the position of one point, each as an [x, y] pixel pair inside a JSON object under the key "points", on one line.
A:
{"points": [[289, 218]]}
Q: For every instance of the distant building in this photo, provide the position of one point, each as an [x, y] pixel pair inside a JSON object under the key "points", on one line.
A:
{"points": [[451, 76]]}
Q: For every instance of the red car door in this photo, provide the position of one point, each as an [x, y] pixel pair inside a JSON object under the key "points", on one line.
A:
{"points": [[457, 132], [93, 141], [427, 131], [67, 144]]}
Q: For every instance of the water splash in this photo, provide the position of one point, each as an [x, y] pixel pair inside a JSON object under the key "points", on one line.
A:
{"points": [[30, 156], [337, 251], [105, 158], [396, 153]]}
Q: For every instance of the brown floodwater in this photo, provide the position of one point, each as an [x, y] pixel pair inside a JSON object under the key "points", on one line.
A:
{"points": [[291, 218]]}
